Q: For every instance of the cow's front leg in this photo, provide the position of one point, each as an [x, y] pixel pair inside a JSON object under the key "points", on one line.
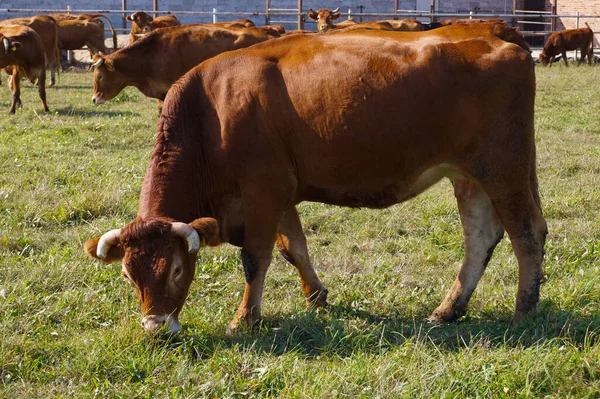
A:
{"points": [[15, 83], [255, 270]]}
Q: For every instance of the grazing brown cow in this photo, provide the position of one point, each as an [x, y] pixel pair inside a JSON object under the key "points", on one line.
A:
{"points": [[567, 40], [247, 135], [154, 63], [22, 51], [142, 23], [47, 30], [77, 31], [405, 25]]}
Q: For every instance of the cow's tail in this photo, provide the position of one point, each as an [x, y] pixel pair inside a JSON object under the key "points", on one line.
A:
{"points": [[112, 30]]}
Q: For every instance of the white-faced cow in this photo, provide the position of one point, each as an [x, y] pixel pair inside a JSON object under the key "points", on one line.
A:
{"points": [[359, 119]]}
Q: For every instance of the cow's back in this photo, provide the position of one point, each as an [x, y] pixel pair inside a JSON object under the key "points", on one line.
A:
{"points": [[360, 112]]}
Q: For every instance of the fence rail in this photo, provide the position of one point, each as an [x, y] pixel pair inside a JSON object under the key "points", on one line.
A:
{"points": [[269, 13]]}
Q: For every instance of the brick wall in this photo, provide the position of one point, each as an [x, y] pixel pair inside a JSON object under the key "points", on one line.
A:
{"points": [[585, 7]]}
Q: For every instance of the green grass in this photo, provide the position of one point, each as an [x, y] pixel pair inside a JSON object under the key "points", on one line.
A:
{"points": [[70, 326]]}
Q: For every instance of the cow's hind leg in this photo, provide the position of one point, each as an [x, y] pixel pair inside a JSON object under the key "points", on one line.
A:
{"points": [[292, 245], [42, 89], [482, 232], [521, 215], [15, 85]]}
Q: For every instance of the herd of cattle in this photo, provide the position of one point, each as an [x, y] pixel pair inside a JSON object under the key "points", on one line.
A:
{"points": [[359, 115], [32, 45]]}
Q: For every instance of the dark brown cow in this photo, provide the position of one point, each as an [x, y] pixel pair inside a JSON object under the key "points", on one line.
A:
{"points": [[154, 63], [567, 40], [22, 51], [47, 30], [247, 135], [405, 25], [77, 31], [142, 23]]}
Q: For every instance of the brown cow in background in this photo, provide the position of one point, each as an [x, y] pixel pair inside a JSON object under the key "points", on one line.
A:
{"points": [[155, 62], [22, 56], [47, 29], [567, 40], [405, 25], [77, 31], [325, 18], [142, 23]]}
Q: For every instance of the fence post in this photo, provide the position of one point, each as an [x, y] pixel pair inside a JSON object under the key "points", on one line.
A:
{"points": [[70, 55], [155, 6], [214, 15], [514, 20], [470, 14], [431, 11], [553, 24], [396, 9], [300, 16], [349, 13], [267, 17], [124, 7], [577, 26]]}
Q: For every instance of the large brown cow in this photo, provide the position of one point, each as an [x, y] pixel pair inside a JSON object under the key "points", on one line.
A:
{"points": [[142, 23], [22, 51], [360, 119], [567, 40], [47, 29], [154, 63], [77, 31]]}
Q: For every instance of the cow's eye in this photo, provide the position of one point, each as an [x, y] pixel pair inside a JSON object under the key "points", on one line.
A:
{"points": [[177, 271]]}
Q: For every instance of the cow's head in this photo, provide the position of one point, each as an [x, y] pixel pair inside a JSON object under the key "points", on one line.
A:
{"points": [[158, 260], [142, 20], [9, 46], [544, 58], [108, 82], [324, 18]]}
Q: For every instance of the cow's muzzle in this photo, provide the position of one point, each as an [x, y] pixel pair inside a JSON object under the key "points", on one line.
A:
{"points": [[96, 99], [153, 323]]}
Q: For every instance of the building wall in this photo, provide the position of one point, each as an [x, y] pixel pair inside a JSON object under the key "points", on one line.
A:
{"points": [[585, 7]]}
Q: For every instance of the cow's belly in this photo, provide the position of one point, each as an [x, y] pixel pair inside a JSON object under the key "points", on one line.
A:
{"points": [[380, 196]]}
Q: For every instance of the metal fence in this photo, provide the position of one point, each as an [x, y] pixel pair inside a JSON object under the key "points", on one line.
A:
{"points": [[526, 20]]}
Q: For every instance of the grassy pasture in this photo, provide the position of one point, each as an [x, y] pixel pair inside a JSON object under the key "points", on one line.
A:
{"points": [[70, 327]]}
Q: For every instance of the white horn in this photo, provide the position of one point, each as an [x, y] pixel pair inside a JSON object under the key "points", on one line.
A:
{"points": [[106, 241], [186, 232], [6, 44], [98, 63], [336, 10]]}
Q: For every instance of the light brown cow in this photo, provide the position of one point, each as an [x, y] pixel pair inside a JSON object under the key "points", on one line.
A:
{"points": [[325, 18], [22, 53], [247, 135], [238, 23], [47, 30], [467, 21], [142, 23], [154, 63], [77, 31], [567, 40]]}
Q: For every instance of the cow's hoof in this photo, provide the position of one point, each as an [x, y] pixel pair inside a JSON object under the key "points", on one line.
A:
{"points": [[318, 299], [440, 316]]}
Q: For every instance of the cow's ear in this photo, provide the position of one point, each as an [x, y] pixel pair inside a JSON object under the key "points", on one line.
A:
{"points": [[129, 18], [115, 253], [208, 230], [312, 14], [108, 63], [336, 15]]}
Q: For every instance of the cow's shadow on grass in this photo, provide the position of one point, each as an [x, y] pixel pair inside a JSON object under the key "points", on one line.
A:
{"points": [[86, 113], [342, 331]]}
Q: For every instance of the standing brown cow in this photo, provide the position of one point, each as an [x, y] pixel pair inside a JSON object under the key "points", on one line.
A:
{"points": [[154, 63], [567, 40], [47, 30], [142, 23], [77, 31], [247, 135], [22, 54]]}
